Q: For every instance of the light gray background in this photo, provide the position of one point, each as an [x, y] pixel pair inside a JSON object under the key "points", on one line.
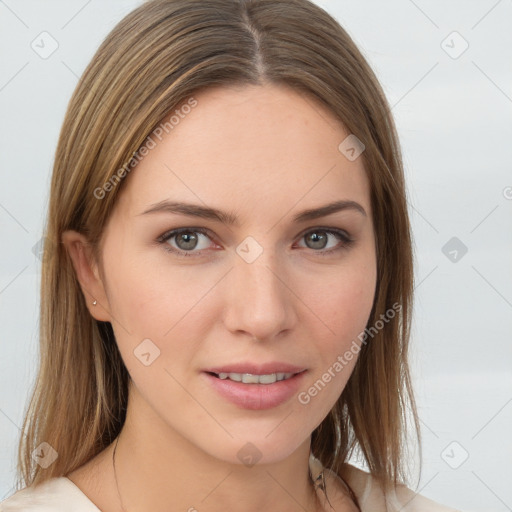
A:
{"points": [[453, 117]]}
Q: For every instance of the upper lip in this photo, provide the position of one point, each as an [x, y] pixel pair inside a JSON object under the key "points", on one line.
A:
{"points": [[256, 369]]}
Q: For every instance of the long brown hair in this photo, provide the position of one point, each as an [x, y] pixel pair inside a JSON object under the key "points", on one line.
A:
{"points": [[155, 59]]}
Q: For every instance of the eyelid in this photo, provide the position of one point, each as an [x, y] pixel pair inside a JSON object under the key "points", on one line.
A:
{"points": [[327, 229], [176, 231]]}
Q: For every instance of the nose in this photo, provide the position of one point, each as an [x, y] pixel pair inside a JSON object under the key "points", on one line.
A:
{"points": [[259, 301]]}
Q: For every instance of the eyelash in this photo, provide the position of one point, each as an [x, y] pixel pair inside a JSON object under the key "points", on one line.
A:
{"points": [[341, 235]]}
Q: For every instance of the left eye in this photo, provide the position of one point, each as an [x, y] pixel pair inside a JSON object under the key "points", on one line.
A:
{"points": [[318, 239]]}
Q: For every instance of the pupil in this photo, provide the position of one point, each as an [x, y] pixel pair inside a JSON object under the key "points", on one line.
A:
{"points": [[319, 241], [190, 240]]}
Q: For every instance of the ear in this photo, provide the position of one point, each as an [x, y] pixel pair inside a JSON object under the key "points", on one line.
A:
{"points": [[88, 275]]}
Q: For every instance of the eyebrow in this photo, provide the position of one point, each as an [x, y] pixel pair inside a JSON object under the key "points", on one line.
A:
{"points": [[195, 210]]}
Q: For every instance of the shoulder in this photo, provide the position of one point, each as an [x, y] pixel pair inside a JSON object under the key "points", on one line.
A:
{"points": [[372, 499], [55, 495]]}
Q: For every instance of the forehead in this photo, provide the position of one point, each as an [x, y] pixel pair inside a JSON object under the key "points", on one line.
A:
{"points": [[258, 148]]}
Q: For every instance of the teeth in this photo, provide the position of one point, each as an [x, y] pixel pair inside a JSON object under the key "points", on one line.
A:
{"points": [[265, 379], [249, 378]]}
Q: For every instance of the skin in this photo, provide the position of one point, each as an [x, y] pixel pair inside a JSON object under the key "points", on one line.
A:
{"points": [[263, 153]]}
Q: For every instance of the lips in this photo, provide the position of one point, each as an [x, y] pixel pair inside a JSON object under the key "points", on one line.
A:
{"points": [[256, 387]]}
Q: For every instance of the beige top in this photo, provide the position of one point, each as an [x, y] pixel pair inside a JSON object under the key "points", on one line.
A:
{"points": [[370, 497], [60, 494]]}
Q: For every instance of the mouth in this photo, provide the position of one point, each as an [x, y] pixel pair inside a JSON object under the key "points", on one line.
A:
{"points": [[251, 378], [256, 387]]}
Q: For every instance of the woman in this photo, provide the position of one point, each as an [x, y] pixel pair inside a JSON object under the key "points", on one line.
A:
{"points": [[227, 278]]}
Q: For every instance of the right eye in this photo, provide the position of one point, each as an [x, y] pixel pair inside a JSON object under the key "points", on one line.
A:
{"points": [[183, 241]]}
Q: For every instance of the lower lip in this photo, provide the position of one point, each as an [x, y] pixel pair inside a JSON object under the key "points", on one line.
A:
{"points": [[256, 396]]}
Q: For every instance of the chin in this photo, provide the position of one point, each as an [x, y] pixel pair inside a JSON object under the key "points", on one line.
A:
{"points": [[256, 445]]}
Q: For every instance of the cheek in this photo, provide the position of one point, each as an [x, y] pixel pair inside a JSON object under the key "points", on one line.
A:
{"points": [[344, 301], [149, 300], [343, 308], [169, 309]]}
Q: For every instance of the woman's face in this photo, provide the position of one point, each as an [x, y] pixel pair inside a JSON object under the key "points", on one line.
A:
{"points": [[255, 284]]}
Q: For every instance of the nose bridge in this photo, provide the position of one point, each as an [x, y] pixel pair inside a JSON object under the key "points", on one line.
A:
{"points": [[259, 302]]}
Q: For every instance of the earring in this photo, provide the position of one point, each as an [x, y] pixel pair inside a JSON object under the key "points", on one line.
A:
{"points": [[94, 303]]}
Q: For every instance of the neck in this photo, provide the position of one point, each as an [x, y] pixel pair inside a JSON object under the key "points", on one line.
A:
{"points": [[156, 467]]}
